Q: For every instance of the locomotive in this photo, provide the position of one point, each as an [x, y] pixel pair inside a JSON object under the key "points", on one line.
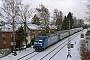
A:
{"points": [[43, 41]]}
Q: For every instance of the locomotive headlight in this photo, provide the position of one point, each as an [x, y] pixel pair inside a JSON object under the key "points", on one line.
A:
{"points": [[40, 44], [35, 42]]}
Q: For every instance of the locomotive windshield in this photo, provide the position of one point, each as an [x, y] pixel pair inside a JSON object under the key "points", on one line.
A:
{"points": [[39, 40]]}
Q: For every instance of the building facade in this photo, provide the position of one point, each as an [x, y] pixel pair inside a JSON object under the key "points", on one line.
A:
{"points": [[5, 40]]}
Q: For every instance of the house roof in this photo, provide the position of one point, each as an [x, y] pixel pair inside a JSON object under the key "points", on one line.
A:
{"points": [[52, 27], [34, 27], [8, 27], [37, 27]]}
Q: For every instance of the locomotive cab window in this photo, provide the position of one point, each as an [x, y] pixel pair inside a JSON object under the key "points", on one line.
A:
{"points": [[39, 40]]}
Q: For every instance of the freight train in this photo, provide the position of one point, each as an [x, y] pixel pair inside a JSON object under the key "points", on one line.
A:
{"points": [[43, 41]]}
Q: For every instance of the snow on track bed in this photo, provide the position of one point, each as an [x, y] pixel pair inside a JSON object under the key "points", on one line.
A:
{"points": [[61, 55], [30, 55], [49, 53], [25, 55]]}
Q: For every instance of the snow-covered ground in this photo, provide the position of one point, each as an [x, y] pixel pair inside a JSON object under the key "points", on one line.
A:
{"points": [[62, 55]]}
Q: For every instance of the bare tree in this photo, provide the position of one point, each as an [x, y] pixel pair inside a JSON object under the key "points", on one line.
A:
{"points": [[9, 9], [9, 12], [25, 12], [44, 16], [57, 18], [88, 12], [80, 22], [75, 22]]}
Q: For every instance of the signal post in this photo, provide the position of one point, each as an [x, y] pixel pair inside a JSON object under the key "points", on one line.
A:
{"points": [[69, 45]]}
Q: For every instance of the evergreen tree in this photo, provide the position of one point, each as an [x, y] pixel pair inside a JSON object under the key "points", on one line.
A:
{"points": [[36, 20], [70, 19], [20, 37], [64, 24], [67, 20]]}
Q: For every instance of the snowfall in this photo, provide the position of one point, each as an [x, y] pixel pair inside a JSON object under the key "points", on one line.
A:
{"points": [[61, 55]]}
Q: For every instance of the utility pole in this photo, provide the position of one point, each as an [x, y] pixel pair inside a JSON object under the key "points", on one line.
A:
{"points": [[69, 51]]}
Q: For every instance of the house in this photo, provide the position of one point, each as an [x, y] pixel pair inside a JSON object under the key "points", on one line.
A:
{"points": [[33, 30], [52, 28], [5, 36]]}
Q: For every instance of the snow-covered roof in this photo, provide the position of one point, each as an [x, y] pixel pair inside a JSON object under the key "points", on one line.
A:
{"points": [[8, 27], [34, 27], [37, 27], [52, 27]]}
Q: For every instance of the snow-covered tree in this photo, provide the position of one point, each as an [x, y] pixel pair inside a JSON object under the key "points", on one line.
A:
{"points": [[57, 18], [8, 13], [36, 20], [44, 16], [20, 34], [14, 11], [87, 11], [9, 9], [70, 20]]}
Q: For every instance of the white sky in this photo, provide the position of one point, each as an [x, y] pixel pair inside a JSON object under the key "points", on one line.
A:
{"points": [[77, 7]]}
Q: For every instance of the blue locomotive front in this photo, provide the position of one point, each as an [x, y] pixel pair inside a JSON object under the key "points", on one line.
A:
{"points": [[40, 42]]}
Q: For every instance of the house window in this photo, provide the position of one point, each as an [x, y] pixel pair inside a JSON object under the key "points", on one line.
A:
{"points": [[3, 35], [3, 41], [39, 31]]}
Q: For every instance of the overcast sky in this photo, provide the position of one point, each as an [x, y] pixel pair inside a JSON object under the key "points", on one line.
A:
{"points": [[77, 7]]}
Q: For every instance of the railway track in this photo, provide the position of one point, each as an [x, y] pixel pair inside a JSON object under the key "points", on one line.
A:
{"points": [[59, 50], [25, 55], [33, 54], [52, 55]]}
